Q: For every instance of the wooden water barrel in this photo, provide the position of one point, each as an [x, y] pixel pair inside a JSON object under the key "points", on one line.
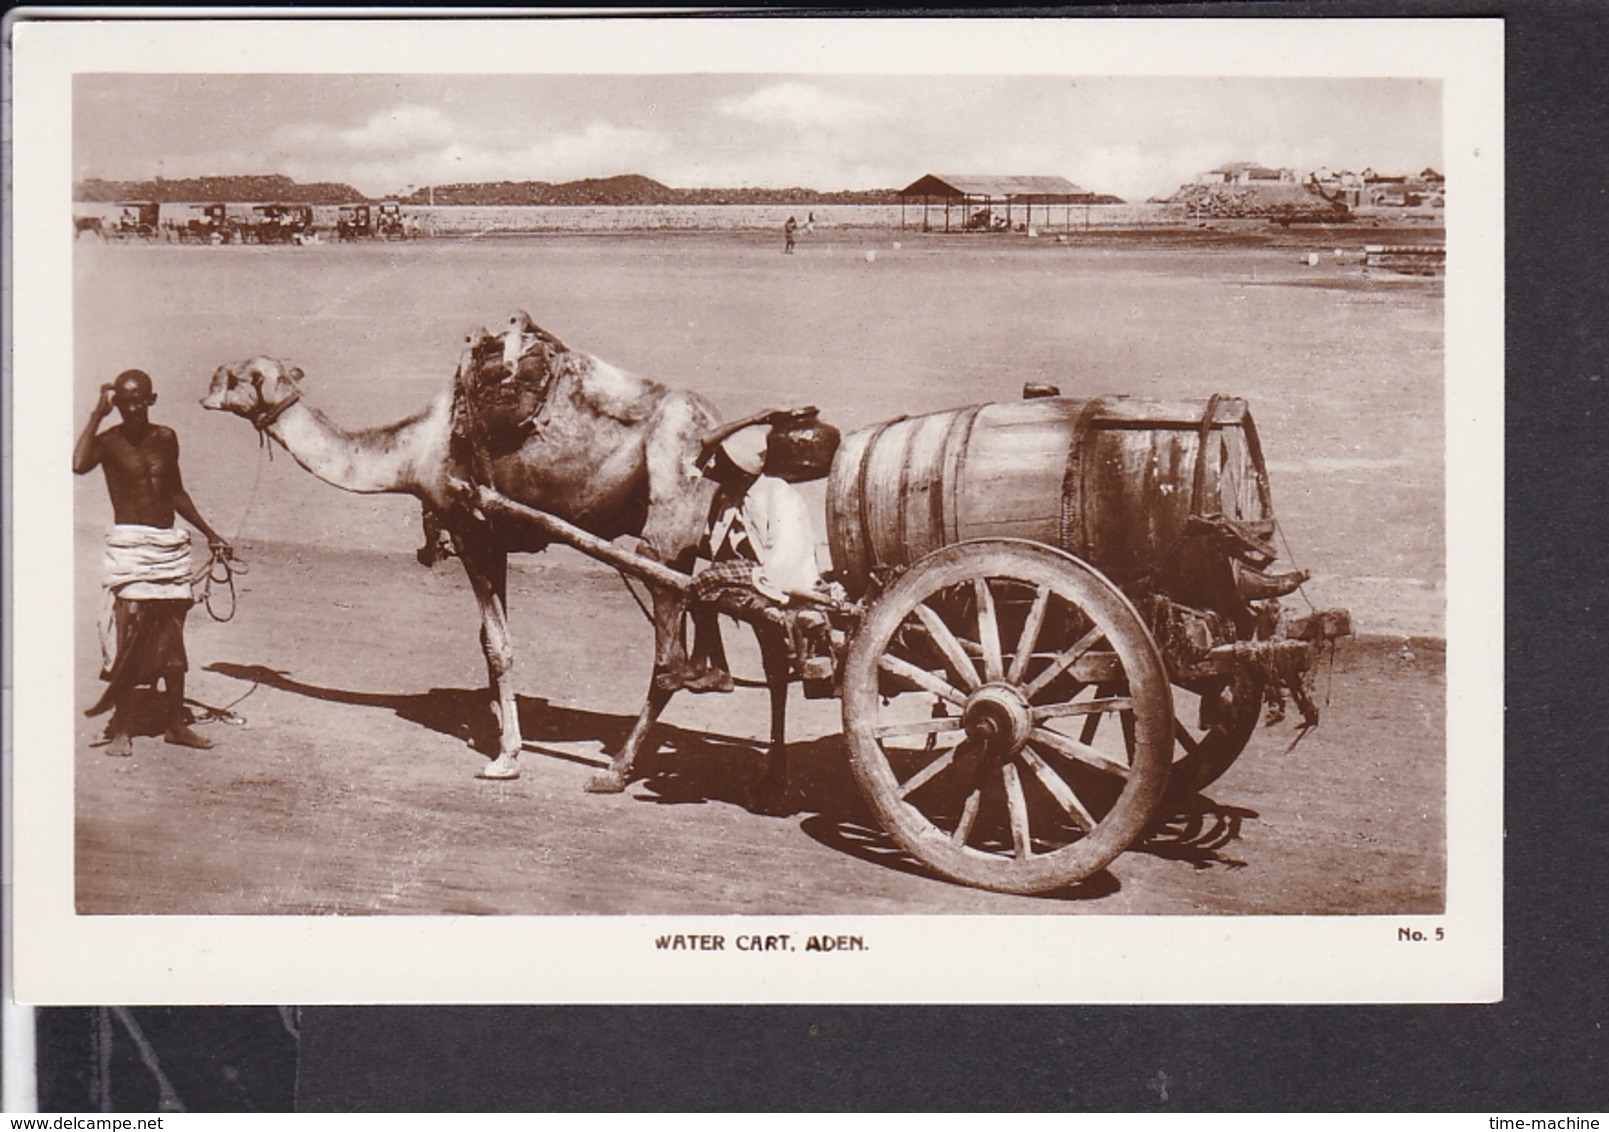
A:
{"points": [[1112, 480]]}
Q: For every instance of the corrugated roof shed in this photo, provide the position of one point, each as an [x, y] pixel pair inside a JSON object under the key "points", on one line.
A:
{"points": [[999, 188]]}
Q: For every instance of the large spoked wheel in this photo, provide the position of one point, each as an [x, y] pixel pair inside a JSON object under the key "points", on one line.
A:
{"points": [[968, 696]]}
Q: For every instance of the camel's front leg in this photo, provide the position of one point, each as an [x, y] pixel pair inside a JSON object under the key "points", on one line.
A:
{"points": [[613, 779], [669, 609], [671, 665], [487, 569]]}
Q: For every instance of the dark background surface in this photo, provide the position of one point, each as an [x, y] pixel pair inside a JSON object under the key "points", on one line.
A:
{"points": [[1543, 1049]]}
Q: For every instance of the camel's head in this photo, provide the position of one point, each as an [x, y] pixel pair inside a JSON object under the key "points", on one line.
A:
{"points": [[257, 389]]}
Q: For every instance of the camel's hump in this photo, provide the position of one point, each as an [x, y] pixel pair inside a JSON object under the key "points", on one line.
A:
{"points": [[613, 392]]}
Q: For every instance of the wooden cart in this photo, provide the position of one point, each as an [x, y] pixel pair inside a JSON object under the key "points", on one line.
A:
{"points": [[1059, 610]]}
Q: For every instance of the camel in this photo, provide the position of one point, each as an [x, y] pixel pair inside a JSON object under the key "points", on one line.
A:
{"points": [[555, 429]]}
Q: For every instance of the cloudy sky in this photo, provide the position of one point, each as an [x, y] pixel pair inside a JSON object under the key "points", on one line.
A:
{"points": [[1134, 137]]}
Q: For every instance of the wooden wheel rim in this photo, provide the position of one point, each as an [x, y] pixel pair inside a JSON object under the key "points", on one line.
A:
{"points": [[988, 564]]}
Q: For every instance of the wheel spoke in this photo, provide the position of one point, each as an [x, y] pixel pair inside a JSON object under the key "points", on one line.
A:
{"points": [[918, 727], [1065, 661], [1058, 789], [1182, 734], [1078, 752], [1017, 807], [1030, 636], [1030, 648], [969, 814], [1092, 724], [920, 677], [949, 646], [929, 772], [1083, 707], [988, 631]]}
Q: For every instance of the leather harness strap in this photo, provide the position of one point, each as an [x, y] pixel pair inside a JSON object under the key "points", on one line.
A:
{"points": [[263, 420]]}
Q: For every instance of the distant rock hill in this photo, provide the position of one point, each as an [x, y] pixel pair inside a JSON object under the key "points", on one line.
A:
{"points": [[248, 189], [1279, 201], [630, 189]]}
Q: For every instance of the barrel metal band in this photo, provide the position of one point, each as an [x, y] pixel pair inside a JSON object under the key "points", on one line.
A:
{"points": [[866, 550], [967, 422], [1074, 535]]}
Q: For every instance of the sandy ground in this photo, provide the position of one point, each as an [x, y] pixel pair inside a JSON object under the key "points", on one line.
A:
{"points": [[350, 787]]}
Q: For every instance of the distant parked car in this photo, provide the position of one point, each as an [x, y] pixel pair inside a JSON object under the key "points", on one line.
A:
{"points": [[354, 222], [282, 223], [139, 218], [388, 221]]}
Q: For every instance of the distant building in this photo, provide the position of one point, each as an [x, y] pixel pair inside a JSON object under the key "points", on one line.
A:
{"points": [[1246, 173], [988, 204], [1427, 188]]}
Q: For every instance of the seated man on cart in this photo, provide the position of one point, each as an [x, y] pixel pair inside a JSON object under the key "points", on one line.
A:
{"points": [[762, 567]]}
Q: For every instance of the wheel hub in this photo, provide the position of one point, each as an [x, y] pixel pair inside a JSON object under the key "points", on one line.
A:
{"points": [[997, 716]]}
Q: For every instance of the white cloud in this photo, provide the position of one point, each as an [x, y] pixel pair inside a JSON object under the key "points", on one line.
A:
{"points": [[404, 127], [798, 104], [599, 149]]}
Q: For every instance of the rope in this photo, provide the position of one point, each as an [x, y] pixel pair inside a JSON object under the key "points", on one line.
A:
{"points": [[251, 496], [221, 568], [268, 416], [635, 596], [222, 565], [225, 714], [1279, 529]]}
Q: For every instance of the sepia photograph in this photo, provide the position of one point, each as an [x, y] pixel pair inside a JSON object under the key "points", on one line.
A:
{"points": [[1012, 513]]}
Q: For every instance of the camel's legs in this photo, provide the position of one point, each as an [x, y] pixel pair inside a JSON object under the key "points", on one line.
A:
{"points": [[673, 668], [487, 568], [613, 779]]}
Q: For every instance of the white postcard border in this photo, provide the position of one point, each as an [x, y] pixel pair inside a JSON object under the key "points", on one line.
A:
{"points": [[61, 957]]}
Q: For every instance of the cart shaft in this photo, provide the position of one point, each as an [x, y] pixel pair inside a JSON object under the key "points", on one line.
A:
{"points": [[638, 566]]}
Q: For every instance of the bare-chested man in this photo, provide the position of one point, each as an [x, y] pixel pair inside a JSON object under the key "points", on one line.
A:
{"points": [[148, 570]]}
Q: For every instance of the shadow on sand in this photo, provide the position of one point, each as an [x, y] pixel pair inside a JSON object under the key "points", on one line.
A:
{"points": [[684, 767]]}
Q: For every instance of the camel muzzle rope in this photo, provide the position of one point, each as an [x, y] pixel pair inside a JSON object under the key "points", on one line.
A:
{"points": [[221, 569], [262, 420]]}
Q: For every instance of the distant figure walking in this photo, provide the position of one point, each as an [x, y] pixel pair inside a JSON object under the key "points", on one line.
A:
{"points": [[788, 230]]}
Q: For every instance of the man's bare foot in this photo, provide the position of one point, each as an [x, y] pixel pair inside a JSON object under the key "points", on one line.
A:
{"points": [[182, 736], [688, 678], [710, 680], [119, 746]]}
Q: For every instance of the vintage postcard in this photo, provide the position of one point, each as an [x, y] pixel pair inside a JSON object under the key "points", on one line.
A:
{"points": [[665, 510]]}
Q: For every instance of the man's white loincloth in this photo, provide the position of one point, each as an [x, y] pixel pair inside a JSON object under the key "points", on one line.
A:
{"points": [[141, 564]]}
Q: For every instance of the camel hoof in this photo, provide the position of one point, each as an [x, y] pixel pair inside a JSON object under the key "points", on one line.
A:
{"points": [[606, 782], [500, 770]]}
